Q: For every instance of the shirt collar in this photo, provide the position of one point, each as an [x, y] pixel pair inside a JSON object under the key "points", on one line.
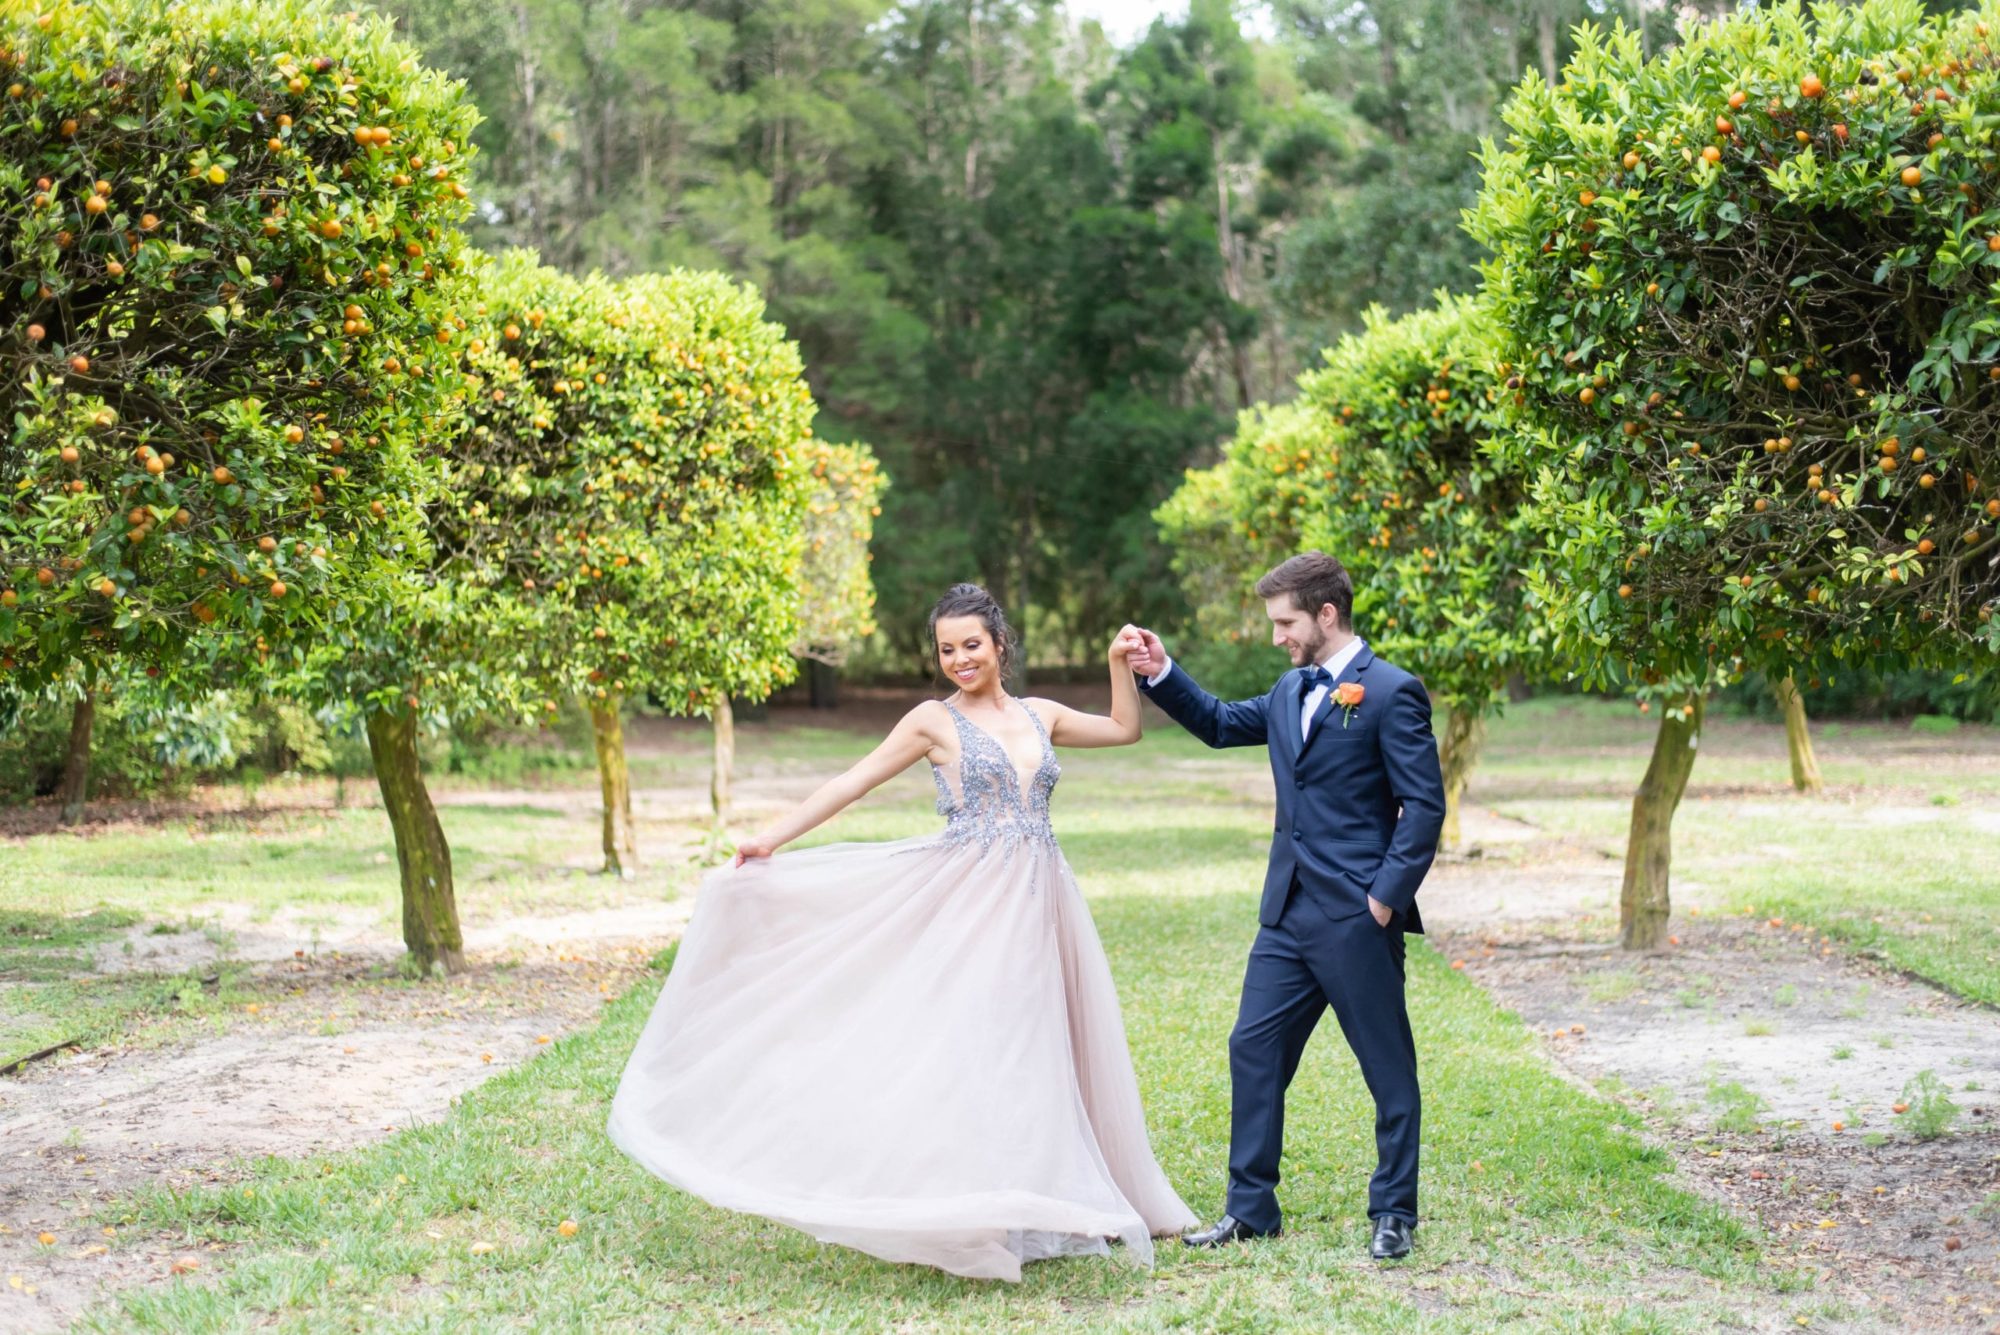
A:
{"points": [[1337, 664]]}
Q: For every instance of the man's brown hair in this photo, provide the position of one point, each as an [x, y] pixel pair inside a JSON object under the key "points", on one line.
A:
{"points": [[1314, 579]]}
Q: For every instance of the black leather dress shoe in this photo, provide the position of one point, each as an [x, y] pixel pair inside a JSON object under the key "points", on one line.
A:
{"points": [[1228, 1229], [1393, 1239]]}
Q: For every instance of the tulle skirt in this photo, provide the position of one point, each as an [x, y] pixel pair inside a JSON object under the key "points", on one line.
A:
{"points": [[913, 1049]]}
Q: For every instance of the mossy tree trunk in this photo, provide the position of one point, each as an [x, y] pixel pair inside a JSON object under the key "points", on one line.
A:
{"points": [[1644, 905], [1798, 739], [75, 786], [1458, 751], [725, 758], [621, 840], [430, 909]]}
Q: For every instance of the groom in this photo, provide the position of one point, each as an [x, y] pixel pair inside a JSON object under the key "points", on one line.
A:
{"points": [[1360, 805]]}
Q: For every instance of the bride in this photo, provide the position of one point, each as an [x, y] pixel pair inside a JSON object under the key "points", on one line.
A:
{"points": [[913, 1048]]}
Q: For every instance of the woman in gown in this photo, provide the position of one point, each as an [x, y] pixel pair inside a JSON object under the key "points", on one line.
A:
{"points": [[913, 1048]]}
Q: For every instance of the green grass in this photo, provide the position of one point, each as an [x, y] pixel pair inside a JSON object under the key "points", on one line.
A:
{"points": [[1542, 1206], [1877, 866]]}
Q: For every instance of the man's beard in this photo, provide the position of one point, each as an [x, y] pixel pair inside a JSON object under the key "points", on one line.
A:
{"points": [[1311, 649]]}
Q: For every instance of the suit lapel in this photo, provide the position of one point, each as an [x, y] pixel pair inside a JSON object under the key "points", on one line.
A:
{"points": [[1352, 672], [1295, 715]]}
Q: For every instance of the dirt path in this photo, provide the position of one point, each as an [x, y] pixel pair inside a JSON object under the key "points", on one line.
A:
{"points": [[1767, 1060], [340, 1054]]}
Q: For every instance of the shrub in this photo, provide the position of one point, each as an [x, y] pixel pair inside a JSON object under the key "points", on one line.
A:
{"points": [[1744, 298], [226, 222]]}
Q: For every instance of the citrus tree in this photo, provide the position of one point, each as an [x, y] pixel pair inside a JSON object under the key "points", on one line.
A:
{"points": [[837, 597], [836, 591], [225, 226], [631, 489], [1383, 460], [1747, 288], [1218, 551], [1428, 518]]}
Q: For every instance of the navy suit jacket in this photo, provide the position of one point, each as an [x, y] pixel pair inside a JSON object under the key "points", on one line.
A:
{"points": [[1360, 806]]}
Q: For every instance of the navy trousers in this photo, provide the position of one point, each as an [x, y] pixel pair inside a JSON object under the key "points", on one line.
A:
{"points": [[1306, 963]]}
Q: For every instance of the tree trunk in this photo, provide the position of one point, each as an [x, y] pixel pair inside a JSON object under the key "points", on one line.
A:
{"points": [[430, 910], [75, 786], [1545, 32], [621, 841], [725, 758], [1798, 741], [1387, 35], [1644, 905], [1458, 751], [825, 679]]}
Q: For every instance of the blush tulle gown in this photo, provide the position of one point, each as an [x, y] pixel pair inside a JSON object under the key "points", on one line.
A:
{"points": [[913, 1048]]}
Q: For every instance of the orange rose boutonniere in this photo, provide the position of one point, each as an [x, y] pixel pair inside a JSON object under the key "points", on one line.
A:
{"points": [[1348, 696]]}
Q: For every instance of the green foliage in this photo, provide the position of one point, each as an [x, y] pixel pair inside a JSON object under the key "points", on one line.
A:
{"points": [[630, 491], [1754, 360], [1861, 691], [156, 737], [226, 224], [622, 506], [1930, 1109], [1384, 462], [837, 598]]}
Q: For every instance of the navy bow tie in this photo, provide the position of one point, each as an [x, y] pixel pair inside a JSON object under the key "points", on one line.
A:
{"points": [[1315, 675]]}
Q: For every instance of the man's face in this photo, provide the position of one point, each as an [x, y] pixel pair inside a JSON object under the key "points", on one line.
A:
{"points": [[1301, 636]]}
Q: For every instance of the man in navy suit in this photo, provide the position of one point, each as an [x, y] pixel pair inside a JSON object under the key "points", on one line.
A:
{"points": [[1360, 807]]}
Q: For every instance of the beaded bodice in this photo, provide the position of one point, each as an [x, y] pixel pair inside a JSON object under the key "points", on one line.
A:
{"points": [[982, 796]]}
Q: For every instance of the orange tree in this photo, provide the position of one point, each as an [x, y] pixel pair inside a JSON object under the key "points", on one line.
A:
{"points": [[224, 226], [1748, 287], [631, 489], [836, 591], [1384, 461]]}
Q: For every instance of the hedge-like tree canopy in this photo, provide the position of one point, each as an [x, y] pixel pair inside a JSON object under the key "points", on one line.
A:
{"points": [[836, 594], [1748, 288], [226, 223], [634, 475], [1383, 462]]}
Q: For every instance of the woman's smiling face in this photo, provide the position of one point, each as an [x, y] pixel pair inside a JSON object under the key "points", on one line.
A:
{"points": [[966, 652]]}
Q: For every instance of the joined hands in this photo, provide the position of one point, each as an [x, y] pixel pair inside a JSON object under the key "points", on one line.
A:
{"points": [[1145, 654]]}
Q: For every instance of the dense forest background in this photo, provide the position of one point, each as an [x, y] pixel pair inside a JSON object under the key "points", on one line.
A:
{"points": [[1039, 272]]}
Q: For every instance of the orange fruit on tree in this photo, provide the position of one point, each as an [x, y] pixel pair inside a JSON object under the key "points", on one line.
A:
{"points": [[1913, 175], [1810, 86]]}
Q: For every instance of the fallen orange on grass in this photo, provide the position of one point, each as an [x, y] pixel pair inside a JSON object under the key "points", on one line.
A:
{"points": [[567, 1228]]}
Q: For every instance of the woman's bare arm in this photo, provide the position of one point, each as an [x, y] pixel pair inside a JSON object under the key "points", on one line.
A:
{"points": [[1073, 727], [913, 738]]}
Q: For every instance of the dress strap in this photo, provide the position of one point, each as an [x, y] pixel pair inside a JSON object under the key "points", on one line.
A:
{"points": [[1048, 747]]}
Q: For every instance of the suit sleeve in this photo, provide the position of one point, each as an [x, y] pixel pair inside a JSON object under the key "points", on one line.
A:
{"points": [[1216, 722], [1409, 754]]}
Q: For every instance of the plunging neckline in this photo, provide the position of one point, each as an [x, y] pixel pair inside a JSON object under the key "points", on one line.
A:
{"points": [[1024, 785]]}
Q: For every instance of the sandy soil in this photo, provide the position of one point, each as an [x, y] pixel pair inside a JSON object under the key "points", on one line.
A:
{"points": [[1769, 1062], [319, 1066]]}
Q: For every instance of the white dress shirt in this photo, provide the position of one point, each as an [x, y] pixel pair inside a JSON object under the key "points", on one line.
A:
{"points": [[1334, 663]]}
